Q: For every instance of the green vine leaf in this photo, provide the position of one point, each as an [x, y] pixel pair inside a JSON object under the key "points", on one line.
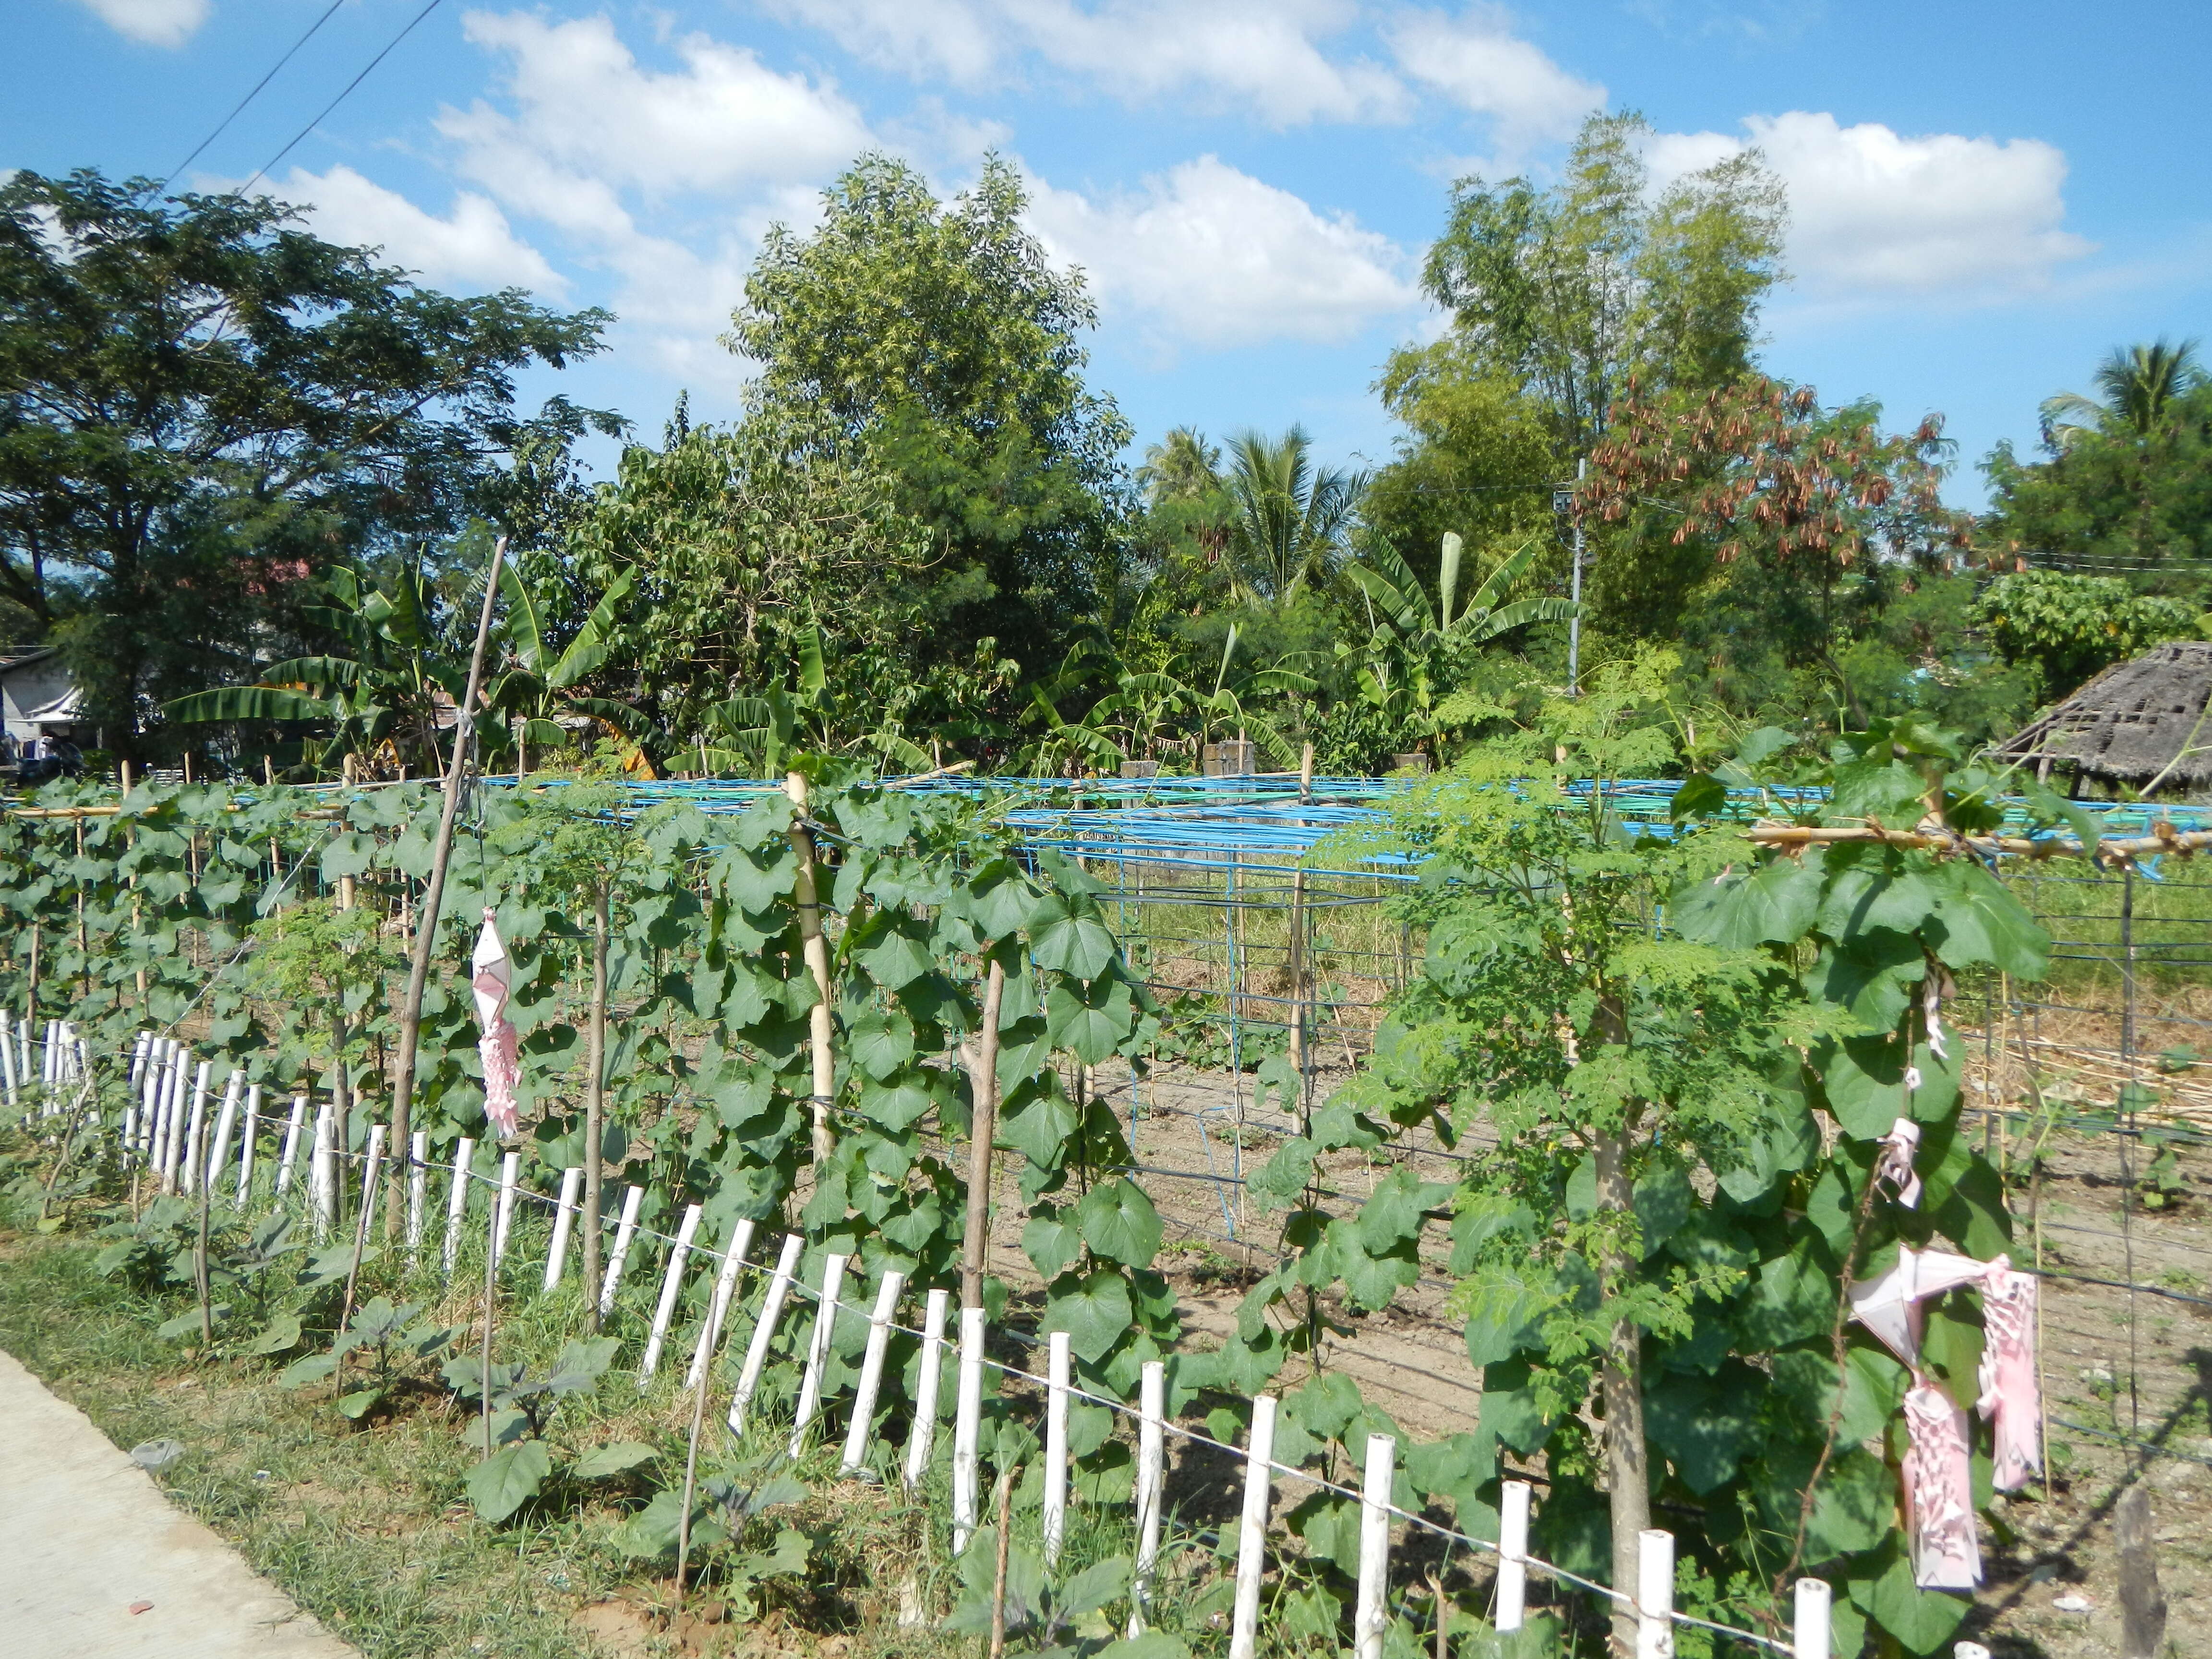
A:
{"points": [[507, 1479], [1117, 1221]]}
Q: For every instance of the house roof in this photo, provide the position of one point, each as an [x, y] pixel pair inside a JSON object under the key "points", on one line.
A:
{"points": [[2139, 722]]}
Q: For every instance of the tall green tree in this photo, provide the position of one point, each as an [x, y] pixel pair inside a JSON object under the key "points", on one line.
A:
{"points": [[203, 406], [937, 343], [2123, 485]]}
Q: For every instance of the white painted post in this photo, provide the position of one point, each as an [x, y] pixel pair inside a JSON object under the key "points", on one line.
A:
{"points": [[871, 1371], [625, 1231], [322, 1173], [291, 1153], [368, 1180], [1654, 1594], [923, 1435], [8, 1065], [418, 1192], [246, 1148], [225, 1121], [779, 1286], [50, 1053], [725, 1285], [157, 1090], [170, 1134], [1057, 1361], [1372, 1614], [1252, 1530], [966, 1427], [1512, 1555], [564, 1222], [1809, 1638], [510, 1167], [1152, 1479], [189, 1162], [23, 1049], [457, 1202], [138, 1055], [672, 1285], [818, 1351]]}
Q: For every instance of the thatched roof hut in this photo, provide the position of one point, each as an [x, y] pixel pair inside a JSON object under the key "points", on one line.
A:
{"points": [[2141, 723]]}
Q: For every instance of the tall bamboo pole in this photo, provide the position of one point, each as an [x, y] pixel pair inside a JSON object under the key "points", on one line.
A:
{"points": [[595, 1100], [807, 899], [433, 897], [983, 1088]]}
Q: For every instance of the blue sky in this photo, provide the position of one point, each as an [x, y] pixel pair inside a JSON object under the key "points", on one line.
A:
{"points": [[1984, 199]]}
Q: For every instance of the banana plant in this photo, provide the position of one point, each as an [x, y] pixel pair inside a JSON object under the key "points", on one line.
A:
{"points": [[541, 694], [1412, 643], [768, 729], [386, 701], [1232, 703]]}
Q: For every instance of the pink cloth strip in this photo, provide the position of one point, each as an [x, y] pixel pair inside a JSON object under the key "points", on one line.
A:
{"points": [[2010, 1400], [1939, 1491]]}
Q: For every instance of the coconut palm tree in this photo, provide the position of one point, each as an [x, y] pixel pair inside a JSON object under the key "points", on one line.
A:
{"points": [[1290, 517], [1180, 467], [2138, 386]]}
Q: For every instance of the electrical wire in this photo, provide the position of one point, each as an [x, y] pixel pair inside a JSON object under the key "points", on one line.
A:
{"points": [[238, 108], [261, 170]]}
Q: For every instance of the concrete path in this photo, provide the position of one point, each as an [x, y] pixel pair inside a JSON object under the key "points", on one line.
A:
{"points": [[96, 1563]]}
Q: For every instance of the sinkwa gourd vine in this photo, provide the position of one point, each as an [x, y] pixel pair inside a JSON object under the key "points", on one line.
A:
{"points": [[1684, 1050]]}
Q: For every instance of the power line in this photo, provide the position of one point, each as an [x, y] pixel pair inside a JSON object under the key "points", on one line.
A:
{"points": [[178, 170], [264, 168]]}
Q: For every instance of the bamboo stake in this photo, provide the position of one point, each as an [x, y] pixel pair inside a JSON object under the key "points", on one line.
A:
{"points": [[983, 1088], [441, 854], [807, 900], [595, 1105]]}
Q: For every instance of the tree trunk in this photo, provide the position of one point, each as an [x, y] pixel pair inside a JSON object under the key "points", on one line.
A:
{"points": [[983, 1086], [1621, 1392], [595, 1106]]}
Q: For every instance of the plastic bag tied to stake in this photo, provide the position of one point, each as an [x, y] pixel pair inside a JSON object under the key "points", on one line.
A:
{"points": [[499, 1047]]}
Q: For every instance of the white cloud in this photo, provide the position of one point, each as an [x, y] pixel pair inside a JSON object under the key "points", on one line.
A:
{"points": [[156, 22], [1873, 213], [472, 247], [1211, 257], [585, 105], [1262, 56], [1478, 61]]}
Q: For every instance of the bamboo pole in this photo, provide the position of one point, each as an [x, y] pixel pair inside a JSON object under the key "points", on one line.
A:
{"points": [[807, 900], [983, 1088], [595, 1105], [441, 854]]}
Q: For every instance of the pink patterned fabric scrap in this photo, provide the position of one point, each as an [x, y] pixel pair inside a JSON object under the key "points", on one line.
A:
{"points": [[498, 1047], [2011, 1399], [1939, 1491]]}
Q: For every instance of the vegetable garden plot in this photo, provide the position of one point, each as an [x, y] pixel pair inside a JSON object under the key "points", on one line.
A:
{"points": [[718, 1099]]}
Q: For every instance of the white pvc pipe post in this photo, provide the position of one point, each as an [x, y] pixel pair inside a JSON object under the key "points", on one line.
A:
{"points": [[1058, 1356], [23, 1049], [779, 1286], [725, 1285], [322, 1173], [457, 1203], [672, 1285], [872, 1372], [510, 1167], [1371, 1615], [1252, 1530], [1654, 1594], [245, 1147], [564, 1221], [818, 1351], [226, 1122], [50, 1057], [418, 1192], [1809, 1638], [368, 1180], [166, 1133], [966, 1427], [923, 1434], [1151, 1476], [291, 1153], [149, 1090], [8, 1070], [1512, 1555], [192, 1150], [623, 1233]]}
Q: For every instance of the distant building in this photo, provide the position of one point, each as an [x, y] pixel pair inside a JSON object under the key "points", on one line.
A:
{"points": [[40, 704]]}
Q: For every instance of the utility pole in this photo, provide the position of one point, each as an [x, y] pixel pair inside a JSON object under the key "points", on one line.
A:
{"points": [[1565, 500]]}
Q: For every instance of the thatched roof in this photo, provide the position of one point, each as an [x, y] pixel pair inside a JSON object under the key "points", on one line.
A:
{"points": [[2129, 725]]}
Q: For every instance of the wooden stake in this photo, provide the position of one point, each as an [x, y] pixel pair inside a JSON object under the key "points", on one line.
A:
{"points": [[983, 1089], [2142, 1606], [441, 854], [998, 1568], [595, 1105]]}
